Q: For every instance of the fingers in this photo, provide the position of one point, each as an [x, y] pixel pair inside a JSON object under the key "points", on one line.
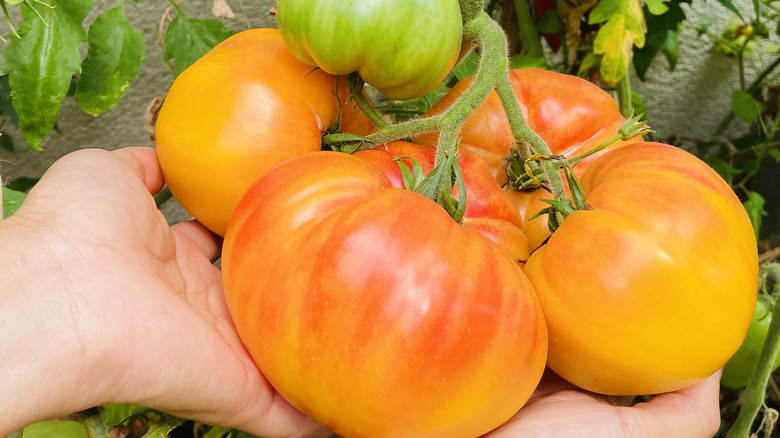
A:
{"points": [[143, 161], [207, 242], [690, 412]]}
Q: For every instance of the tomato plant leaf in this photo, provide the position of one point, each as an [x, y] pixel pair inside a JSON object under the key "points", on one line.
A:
{"points": [[12, 200], [116, 413], [662, 31], [549, 22], [730, 6], [6, 108], [42, 63], [745, 106], [656, 7], [467, 67], [622, 28], [528, 61], [571, 15], [754, 205], [187, 40], [774, 153], [724, 169], [55, 429], [114, 57]]}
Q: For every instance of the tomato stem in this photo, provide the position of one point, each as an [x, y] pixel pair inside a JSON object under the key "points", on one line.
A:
{"points": [[753, 398], [355, 90], [527, 29], [470, 9], [521, 132], [93, 423]]}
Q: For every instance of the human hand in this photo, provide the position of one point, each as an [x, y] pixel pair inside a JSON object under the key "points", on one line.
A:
{"points": [[102, 301], [559, 409]]}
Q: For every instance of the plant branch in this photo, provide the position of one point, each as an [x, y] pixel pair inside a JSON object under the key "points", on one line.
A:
{"points": [[753, 398], [93, 423], [624, 96], [531, 41]]}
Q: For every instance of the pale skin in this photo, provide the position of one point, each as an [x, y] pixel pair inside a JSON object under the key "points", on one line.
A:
{"points": [[101, 301]]}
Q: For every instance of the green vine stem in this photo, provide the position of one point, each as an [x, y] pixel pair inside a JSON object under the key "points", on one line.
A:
{"points": [[493, 66], [93, 423], [355, 90], [624, 96], [522, 133], [753, 398], [531, 41]]}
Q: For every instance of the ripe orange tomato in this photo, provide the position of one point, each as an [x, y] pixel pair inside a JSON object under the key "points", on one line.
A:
{"points": [[243, 107], [654, 287], [369, 309]]}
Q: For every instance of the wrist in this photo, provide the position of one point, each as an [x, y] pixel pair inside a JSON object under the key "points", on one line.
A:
{"points": [[47, 360]]}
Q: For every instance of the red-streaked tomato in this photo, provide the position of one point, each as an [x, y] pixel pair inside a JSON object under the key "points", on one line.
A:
{"points": [[653, 288], [372, 311]]}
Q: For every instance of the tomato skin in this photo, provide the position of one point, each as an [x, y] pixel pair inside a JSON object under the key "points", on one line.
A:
{"points": [[404, 49], [489, 209], [242, 108], [373, 312], [652, 289], [570, 114], [739, 369]]}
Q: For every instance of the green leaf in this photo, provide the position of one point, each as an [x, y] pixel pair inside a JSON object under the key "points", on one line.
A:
{"points": [[550, 22], [6, 108], [724, 169], [116, 413], [187, 40], [116, 50], [656, 7], [730, 6], [161, 430], [754, 205], [744, 106], [6, 142], [467, 67], [638, 103], [661, 37], [623, 28], [12, 200], [55, 429], [528, 61], [589, 62], [42, 63], [774, 153]]}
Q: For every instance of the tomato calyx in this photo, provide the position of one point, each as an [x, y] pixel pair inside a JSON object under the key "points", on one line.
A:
{"points": [[438, 184]]}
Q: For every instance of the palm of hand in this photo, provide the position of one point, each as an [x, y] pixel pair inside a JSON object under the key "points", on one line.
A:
{"points": [[135, 279]]}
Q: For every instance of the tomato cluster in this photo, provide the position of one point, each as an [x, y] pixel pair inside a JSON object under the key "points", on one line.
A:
{"points": [[353, 293]]}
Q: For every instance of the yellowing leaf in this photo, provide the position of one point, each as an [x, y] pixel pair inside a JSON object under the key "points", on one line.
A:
{"points": [[571, 14], [623, 26]]}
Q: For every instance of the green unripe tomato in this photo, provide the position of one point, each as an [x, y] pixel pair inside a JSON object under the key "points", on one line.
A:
{"points": [[403, 48], [739, 369]]}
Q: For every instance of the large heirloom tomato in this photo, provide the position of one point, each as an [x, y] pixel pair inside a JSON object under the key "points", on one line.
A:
{"points": [[570, 114], [403, 48], [240, 109], [369, 309], [653, 288], [489, 209]]}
